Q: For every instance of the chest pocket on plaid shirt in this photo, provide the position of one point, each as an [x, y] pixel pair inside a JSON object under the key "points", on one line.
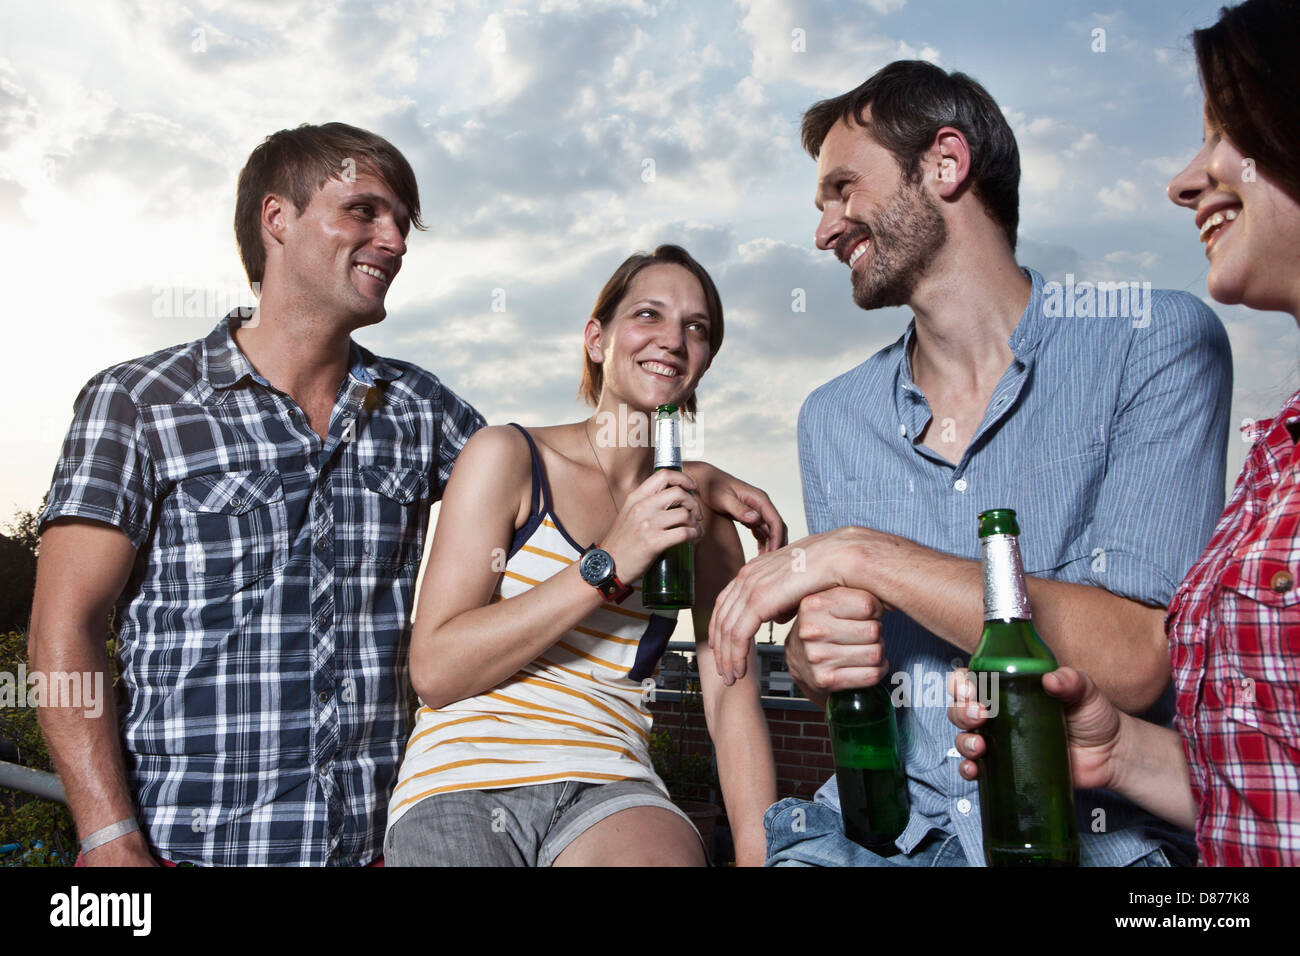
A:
{"points": [[235, 524], [1261, 636], [393, 498]]}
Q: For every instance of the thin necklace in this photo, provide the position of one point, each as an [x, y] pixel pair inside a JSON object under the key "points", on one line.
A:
{"points": [[586, 432]]}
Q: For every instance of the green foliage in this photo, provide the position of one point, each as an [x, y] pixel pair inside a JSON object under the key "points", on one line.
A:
{"points": [[688, 776], [18, 570], [26, 819], [23, 528], [18, 726], [30, 821]]}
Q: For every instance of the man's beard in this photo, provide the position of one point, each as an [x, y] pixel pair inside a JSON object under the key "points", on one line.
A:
{"points": [[905, 239]]}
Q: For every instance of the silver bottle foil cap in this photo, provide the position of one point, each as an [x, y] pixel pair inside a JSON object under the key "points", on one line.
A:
{"points": [[1005, 596], [668, 442]]}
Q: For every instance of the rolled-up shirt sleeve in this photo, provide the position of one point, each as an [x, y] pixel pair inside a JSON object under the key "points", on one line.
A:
{"points": [[105, 472], [1163, 489]]}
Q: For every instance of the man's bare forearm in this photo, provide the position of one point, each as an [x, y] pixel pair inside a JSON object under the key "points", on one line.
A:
{"points": [[1151, 770], [81, 571], [1119, 642], [84, 740]]}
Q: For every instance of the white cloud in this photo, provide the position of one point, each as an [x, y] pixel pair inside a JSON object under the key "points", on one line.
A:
{"points": [[820, 45], [1168, 166], [1144, 261], [1124, 197]]}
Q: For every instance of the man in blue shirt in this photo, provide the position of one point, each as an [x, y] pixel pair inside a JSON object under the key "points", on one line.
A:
{"points": [[1104, 424]]}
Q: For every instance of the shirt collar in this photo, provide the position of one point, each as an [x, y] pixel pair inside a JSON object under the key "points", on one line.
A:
{"points": [[1289, 416], [1276, 431], [1024, 338], [225, 365]]}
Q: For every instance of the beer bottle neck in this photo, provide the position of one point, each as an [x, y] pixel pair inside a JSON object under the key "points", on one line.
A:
{"points": [[1006, 598], [1009, 642], [668, 442]]}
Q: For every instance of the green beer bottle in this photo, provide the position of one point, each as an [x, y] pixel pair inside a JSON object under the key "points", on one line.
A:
{"points": [[669, 583], [868, 767], [1026, 795]]}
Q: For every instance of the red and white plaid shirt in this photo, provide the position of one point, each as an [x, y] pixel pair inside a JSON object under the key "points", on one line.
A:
{"points": [[1234, 632]]}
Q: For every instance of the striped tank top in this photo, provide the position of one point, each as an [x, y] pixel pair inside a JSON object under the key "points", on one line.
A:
{"points": [[577, 712]]}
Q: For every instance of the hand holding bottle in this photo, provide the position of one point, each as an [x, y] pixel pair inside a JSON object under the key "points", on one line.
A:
{"points": [[660, 513], [1093, 725], [836, 643]]}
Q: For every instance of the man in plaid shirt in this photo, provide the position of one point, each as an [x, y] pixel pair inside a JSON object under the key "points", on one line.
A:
{"points": [[254, 504], [1234, 634]]}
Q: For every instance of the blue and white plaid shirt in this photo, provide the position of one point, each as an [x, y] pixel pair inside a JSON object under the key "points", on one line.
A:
{"points": [[265, 626], [1108, 437]]}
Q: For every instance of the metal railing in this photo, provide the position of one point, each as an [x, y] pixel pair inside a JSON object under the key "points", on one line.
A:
{"points": [[26, 780], [777, 687]]}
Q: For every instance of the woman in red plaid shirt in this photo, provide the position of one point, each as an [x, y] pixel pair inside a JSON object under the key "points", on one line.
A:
{"points": [[1232, 769]]}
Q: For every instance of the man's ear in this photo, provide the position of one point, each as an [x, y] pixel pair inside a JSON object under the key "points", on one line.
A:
{"points": [[949, 157], [591, 341], [275, 213]]}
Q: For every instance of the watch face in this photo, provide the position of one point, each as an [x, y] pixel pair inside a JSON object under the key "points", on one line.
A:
{"points": [[596, 566]]}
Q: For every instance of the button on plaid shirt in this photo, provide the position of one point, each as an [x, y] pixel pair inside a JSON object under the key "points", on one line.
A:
{"points": [[1234, 630], [265, 626]]}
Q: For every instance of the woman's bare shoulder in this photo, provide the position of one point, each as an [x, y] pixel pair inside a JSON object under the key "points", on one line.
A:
{"points": [[494, 465], [496, 446]]}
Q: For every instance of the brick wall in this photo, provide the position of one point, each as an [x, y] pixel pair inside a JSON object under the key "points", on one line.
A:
{"points": [[800, 744], [802, 749]]}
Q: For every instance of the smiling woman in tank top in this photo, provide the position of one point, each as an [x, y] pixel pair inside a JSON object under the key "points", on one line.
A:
{"points": [[531, 746]]}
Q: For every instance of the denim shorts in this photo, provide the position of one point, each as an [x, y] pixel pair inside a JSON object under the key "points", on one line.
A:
{"points": [[513, 826]]}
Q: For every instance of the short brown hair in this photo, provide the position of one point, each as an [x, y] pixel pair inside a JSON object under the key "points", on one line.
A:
{"points": [[1248, 69], [910, 101], [297, 162], [616, 288]]}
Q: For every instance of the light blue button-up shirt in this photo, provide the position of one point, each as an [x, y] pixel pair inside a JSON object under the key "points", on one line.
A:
{"points": [[1107, 435]]}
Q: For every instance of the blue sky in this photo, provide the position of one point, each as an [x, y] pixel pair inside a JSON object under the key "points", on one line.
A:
{"points": [[531, 128]]}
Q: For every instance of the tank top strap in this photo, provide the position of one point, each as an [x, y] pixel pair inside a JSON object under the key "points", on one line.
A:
{"points": [[539, 476]]}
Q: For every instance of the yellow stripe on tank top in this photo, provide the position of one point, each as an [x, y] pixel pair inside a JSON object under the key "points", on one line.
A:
{"points": [[497, 695], [514, 782], [632, 642], [477, 717], [533, 741], [594, 703], [458, 764], [615, 609], [635, 691], [627, 694], [531, 582], [547, 554], [565, 646]]}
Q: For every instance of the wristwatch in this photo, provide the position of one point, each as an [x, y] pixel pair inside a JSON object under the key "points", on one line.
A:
{"points": [[597, 569]]}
